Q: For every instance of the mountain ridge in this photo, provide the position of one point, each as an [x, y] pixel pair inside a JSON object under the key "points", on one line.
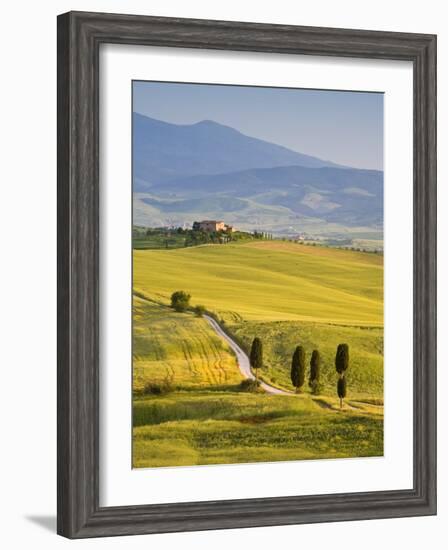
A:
{"points": [[332, 194], [164, 151], [208, 170]]}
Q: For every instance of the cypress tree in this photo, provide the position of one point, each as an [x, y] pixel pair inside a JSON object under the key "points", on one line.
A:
{"points": [[298, 368], [341, 360], [256, 355], [342, 389], [315, 371]]}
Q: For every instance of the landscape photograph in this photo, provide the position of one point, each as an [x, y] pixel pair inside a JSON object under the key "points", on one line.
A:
{"points": [[257, 274]]}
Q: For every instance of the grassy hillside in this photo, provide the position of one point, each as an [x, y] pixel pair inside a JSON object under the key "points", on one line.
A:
{"points": [[226, 427], [178, 347], [365, 375], [146, 238], [143, 242], [269, 281], [286, 294]]}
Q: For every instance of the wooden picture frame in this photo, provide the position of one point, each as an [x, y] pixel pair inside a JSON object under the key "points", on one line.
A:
{"points": [[79, 38]]}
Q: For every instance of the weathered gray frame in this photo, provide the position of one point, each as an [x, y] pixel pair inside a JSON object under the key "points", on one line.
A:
{"points": [[79, 38]]}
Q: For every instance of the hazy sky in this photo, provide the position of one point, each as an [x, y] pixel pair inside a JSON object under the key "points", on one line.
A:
{"points": [[344, 127]]}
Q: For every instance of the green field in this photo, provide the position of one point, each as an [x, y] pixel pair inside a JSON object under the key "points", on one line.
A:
{"points": [[140, 241], [167, 239], [228, 427], [365, 377], [286, 294]]}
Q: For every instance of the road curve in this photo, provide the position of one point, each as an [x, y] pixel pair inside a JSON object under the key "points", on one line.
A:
{"points": [[243, 359]]}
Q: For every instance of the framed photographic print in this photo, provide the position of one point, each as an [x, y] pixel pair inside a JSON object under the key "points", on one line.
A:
{"points": [[246, 274]]}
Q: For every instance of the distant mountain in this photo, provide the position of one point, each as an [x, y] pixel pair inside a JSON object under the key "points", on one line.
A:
{"points": [[286, 178], [207, 170], [344, 196], [164, 151]]}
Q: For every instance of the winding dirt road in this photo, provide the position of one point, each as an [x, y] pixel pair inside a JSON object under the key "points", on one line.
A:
{"points": [[243, 359]]}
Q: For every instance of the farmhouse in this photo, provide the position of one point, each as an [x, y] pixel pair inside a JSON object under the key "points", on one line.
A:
{"points": [[213, 226]]}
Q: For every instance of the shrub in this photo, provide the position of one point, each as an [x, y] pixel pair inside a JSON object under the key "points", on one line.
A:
{"points": [[158, 388], [199, 310], [250, 385], [180, 300]]}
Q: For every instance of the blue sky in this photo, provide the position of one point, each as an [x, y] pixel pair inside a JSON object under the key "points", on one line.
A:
{"points": [[344, 127]]}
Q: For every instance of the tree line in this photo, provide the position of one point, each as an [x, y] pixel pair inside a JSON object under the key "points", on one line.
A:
{"points": [[298, 367]]}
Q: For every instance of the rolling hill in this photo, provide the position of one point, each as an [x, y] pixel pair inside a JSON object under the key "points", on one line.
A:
{"points": [[285, 294], [282, 292], [182, 349], [189, 406], [163, 151], [269, 281], [349, 196]]}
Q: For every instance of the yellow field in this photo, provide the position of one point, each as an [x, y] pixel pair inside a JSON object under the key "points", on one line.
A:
{"points": [[286, 294], [269, 281], [178, 347]]}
